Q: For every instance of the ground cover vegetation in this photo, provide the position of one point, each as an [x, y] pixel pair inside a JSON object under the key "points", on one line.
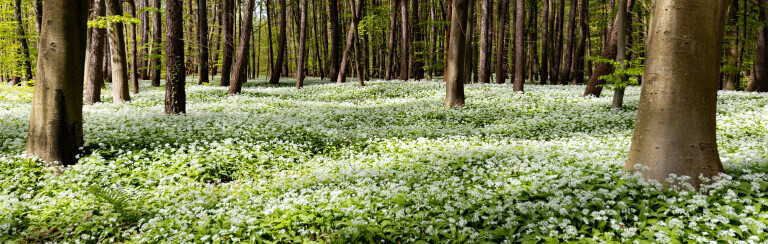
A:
{"points": [[385, 163]]}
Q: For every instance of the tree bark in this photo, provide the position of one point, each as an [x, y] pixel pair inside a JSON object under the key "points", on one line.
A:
{"points": [[759, 81], [392, 42], [134, 50], [595, 85], [565, 73], [26, 61], [543, 72], [202, 32], [578, 57], [454, 80], [519, 46], [56, 121], [618, 94], [302, 45], [239, 72], [501, 41], [228, 35], [335, 39], [417, 34], [120, 92], [404, 39], [282, 43], [175, 70], [676, 124], [351, 37], [158, 38], [95, 72], [484, 59]]}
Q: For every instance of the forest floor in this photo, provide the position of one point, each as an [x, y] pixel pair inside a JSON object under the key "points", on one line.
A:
{"points": [[386, 163]]}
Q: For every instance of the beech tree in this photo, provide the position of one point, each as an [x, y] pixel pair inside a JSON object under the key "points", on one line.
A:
{"points": [[302, 45], [119, 59], [239, 75], [334, 31], [202, 35], [484, 59], [158, 38], [675, 129], [228, 26], [22, 36], [175, 70], [95, 72], [351, 37], [282, 45], [56, 121], [519, 45], [759, 81], [455, 76], [501, 41]]}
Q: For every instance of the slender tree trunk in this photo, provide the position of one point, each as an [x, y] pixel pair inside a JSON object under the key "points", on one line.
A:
{"points": [[618, 94], [202, 32], [120, 92], [676, 124], [731, 76], [335, 39], [95, 71], [318, 54], [56, 121], [759, 81], [26, 61], [134, 51], [158, 38], [501, 41], [454, 81], [228, 35], [175, 70], [302, 45], [282, 43], [391, 46], [418, 48], [469, 53], [519, 45], [578, 58], [543, 72], [404, 39], [38, 13], [350, 41], [565, 73], [239, 70], [145, 32], [558, 45], [484, 59], [595, 85]]}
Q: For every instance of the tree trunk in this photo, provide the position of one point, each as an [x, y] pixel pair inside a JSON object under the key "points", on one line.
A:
{"points": [[302, 45], [558, 45], [228, 35], [95, 73], [282, 43], [116, 35], [335, 39], [391, 46], [144, 59], [418, 48], [595, 85], [134, 51], [543, 72], [175, 71], [565, 73], [56, 121], [676, 125], [239, 70], [484, 60], [158, 38], [618, 94], [501, 41], [26, 61], [519, 45], [404, 39], [350, 41], [469, 53], [759, 81], [454, 80], [731, 76], [38, 13], [578, 58], [202, 32]]}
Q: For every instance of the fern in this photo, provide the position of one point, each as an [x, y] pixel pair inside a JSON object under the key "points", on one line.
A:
{"points": [[119, 200]]}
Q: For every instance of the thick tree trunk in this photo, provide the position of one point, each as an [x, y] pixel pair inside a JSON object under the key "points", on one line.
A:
{"points": [[56, 122], [175, 71], [228, 35], [26, 61], [95, 72], [404, 39], [454, 80], [120, 92], [676, 125], [239, 70], [335, 39], [282, 43], [595, 85], [565, 71], [578, 57], [759, 81], [392, 40], [351, 37], [543, 71], [501, 41], [301, 61], [158, 38], [202, 32], [519, 45], [484, 59]]}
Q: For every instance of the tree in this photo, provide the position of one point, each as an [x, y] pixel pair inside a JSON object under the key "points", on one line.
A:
{"points": [[134, 51], [454, 79], [595, 84], [228, 25], [565, 73], [759, 81], [335, 38], [239, 75], [392, 42], [119, 59], [282, 43], [175, 70], [26, 62], [95, 73], [675, 130], [56, 121], [519, 45], [351, 37], [578, 57], [202, 35], [484, 59], [618, 92], [501, 41], [404, 39], [302, 45], [157, 39], [545, 43]]}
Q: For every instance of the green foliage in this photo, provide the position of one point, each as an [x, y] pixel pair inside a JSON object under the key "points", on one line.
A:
{"points": [[106, 21], [631, 69]]}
